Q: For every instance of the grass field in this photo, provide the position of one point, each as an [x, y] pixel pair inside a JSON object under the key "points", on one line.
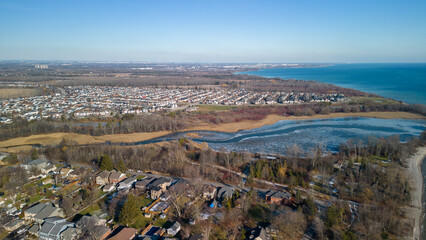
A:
{"points": [[18, 92], [214, 108]]}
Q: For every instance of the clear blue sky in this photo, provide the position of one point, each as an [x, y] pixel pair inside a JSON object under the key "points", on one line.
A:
{"points": [[214, 30]]}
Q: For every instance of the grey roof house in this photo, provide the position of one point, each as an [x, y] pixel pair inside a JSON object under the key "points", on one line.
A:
{"points": [[53, 227]]}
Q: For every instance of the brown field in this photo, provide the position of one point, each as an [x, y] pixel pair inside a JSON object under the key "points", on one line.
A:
{"points": [[49, 139], [132, 137], [18, 92], [23, 143]]}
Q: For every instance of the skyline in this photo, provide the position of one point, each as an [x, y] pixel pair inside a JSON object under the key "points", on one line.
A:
{"points": [[214, 31]]}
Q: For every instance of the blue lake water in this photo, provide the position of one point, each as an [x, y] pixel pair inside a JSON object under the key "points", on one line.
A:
{"points": [[328, 133], [404, 82]]}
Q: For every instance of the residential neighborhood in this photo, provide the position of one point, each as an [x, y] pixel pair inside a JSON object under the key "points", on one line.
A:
{"points": [[103, 101], [160, 198]]}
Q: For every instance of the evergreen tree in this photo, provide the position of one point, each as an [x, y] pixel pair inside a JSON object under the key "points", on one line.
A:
{"points": [[105, 163], [121, 166], [130, 211]]}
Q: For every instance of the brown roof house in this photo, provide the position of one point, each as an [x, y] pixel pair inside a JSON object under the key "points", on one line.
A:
{"points": [[116, 177], [125, 234]]}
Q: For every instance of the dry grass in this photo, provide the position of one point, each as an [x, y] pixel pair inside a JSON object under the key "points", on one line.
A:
{"points": [[18, 149], [6, 93], [132, 137], [49, 139]]}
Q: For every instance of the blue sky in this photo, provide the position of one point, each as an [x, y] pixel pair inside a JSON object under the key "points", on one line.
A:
{"points": [[214, 30]]}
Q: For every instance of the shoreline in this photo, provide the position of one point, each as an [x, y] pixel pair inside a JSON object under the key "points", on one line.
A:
{"points": [[15, 145], [415, 171]]}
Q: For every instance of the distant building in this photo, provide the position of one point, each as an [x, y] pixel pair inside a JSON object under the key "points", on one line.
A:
{"points": [[41, 66]]}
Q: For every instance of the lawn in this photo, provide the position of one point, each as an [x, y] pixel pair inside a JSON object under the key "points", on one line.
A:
{"points": [[160, 222], [93, 209], [35, 198], [3, 234], [144, 201], [141, 222]]}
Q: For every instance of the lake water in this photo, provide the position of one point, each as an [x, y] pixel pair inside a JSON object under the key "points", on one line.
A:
{"points": [[404, 82], [328, 133]]}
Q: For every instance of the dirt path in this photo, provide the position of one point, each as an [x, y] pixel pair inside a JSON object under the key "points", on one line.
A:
{"points": [[414, 170]]}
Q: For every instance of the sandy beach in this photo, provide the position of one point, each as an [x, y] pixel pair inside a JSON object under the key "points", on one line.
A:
{"points": [[414, 170]]}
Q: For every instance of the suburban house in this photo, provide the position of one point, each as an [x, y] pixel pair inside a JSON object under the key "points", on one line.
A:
{"points": [[225, 193], [116, 177], [38, 164], [142, 184], [259, 233], [48, 168], [174, 229], [30, 213], [161, 182], [155, 192], [108, 188], [125, 234], [100, 231], [65, 172], [15, 224], [277, 197], [209, 192], [127, 183], [158, 186], [47, 212], [53, 227], [102, 177], [70, 233]]}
